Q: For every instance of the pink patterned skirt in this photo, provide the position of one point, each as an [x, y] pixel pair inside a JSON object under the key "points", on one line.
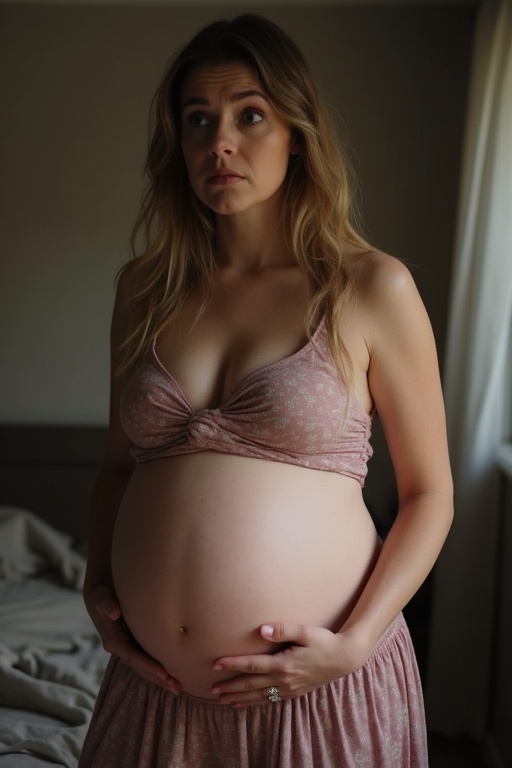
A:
{"points": [[373, 717]]}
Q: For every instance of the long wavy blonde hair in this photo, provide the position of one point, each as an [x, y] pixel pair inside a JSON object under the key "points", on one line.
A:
{"points": [[173, 241]]}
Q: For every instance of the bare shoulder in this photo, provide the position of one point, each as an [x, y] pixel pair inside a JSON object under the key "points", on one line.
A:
{"points": [[127, 281], [126, 288], [388, 307], [378, 276], [383, 284]]}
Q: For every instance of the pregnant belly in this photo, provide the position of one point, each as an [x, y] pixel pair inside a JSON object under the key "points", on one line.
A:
{"points": [[208, 547]]}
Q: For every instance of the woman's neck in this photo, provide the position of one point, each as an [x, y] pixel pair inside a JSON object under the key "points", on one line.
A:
{"points": [[250, 241]]}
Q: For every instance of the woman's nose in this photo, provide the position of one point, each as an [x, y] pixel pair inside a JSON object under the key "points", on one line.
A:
{"points": [[223, 141]]}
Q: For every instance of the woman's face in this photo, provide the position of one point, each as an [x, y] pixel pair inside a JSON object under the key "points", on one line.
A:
{"points": [[235, 145]]}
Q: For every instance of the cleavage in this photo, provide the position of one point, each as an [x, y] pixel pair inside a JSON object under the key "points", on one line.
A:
{"points": [[208, 375]]}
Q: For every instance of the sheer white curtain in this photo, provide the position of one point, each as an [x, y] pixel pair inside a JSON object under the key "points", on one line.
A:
{"points": [[476, 387]]}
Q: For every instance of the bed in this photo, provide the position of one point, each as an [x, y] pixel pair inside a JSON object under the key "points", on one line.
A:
{"points": [[51, 659]]}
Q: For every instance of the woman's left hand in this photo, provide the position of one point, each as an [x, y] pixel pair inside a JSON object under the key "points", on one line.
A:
{"points": [[316, 657]]}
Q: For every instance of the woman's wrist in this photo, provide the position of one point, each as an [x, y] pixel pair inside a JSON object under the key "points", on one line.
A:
{"points": [[356, 644]]}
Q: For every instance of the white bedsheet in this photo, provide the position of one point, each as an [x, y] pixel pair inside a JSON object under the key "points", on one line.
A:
{"points": [[51, 660]]}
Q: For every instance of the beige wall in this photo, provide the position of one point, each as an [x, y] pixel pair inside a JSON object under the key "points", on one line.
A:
{"points": [[76, 83]]}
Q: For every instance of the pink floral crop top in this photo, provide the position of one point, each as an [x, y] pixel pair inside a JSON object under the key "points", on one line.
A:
{"points": [[290, 411]]}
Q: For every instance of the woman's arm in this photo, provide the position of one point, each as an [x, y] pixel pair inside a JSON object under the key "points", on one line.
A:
{"points": [[404, 382], [117, 467], [99, 594]]}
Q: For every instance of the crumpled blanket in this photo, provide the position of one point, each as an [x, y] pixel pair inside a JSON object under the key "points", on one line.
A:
{"points": [[29, 547], [51, 659]]}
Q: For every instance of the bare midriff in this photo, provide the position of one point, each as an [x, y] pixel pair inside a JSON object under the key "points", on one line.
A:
{"points": [[208, 547]]}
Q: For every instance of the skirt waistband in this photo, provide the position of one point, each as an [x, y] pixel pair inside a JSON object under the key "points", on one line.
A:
{"points": [[387, 637]]}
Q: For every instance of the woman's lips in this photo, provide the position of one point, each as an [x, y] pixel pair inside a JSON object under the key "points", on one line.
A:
{"points": [[224, 176]]}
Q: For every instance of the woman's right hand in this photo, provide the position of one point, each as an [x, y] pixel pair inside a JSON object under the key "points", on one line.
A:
{"points": [[104, 609]]}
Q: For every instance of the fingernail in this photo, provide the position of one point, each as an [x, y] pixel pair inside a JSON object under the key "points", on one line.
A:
{"points": [[216, 667], [215, 690], [267, 630]]}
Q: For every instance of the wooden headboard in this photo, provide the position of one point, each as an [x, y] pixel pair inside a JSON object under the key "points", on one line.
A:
{"points": [[50, 470]]}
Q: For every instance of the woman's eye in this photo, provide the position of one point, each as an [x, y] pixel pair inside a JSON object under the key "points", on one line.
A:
{"points": [[198, 120], [252, 117]]}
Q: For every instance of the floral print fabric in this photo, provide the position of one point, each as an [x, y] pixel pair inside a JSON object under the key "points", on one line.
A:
{"points": [[372, 718]]}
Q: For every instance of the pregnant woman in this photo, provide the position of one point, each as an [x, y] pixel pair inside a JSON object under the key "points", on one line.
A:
{"points": [[234, 574]]}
